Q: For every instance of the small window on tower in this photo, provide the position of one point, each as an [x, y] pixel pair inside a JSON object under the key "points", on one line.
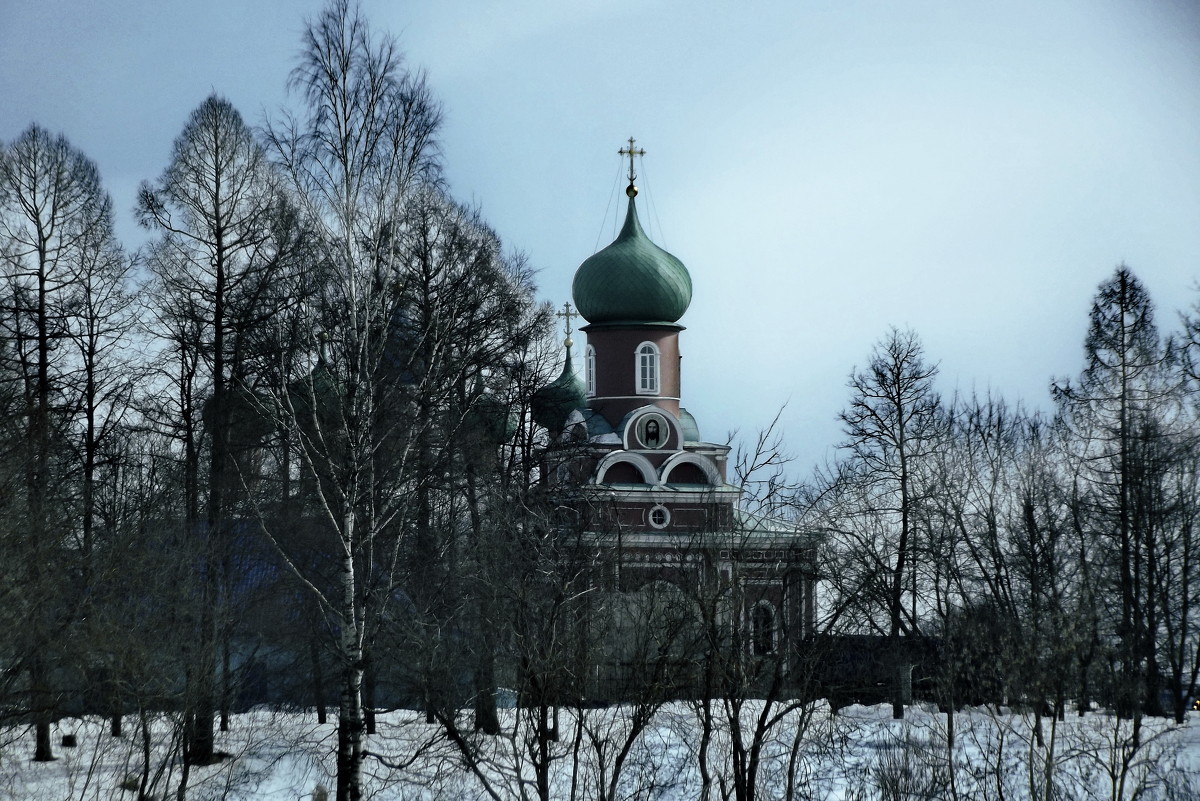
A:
{"points": [[659, 516], [589, 370], [647, 369]]}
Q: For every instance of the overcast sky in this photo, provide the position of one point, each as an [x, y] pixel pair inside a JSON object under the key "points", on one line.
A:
{"points": [[972, 170]]}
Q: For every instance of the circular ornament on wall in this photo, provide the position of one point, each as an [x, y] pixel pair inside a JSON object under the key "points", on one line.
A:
{"points": [[652, 431]]}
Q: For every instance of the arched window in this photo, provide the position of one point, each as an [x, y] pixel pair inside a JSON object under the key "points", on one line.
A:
{"points": [[762, 629], [589, 370], [647, 369]]}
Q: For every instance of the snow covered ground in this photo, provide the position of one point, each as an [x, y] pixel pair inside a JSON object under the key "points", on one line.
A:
{"points": [[859, 753]]}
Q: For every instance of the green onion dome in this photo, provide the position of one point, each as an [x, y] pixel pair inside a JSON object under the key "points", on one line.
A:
{"points": [[632, 280], [489, 420], [552, 404]]}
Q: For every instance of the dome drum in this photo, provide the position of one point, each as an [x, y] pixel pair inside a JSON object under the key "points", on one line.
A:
{"points": [[617, 385]]}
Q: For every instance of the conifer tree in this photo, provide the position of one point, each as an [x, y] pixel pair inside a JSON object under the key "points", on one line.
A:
{"points": [[222, 251], [55, 221], [1116, 414]]}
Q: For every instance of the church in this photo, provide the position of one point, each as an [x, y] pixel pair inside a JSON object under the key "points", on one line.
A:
{"points": [[652, 496]]}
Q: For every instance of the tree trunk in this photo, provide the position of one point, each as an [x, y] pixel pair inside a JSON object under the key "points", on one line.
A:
{"points": [[350, 711], [487, 720], [112, 691], [226, 680], [200, 735], [369, 696], [350, 736], [318, 679], [902, 686], [43, 709]]}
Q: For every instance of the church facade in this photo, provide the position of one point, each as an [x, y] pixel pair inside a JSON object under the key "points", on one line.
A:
{"points": [[653, 497]]}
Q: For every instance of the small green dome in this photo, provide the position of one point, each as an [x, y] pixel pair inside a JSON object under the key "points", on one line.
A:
{"points": [[691, 431], [632, 280], [489, 420], [553, 403]]}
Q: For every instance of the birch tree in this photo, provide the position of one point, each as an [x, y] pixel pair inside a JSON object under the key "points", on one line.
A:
{"points": [[352, 160]]}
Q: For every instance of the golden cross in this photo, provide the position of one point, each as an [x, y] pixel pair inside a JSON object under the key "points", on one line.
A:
{"points": [[631, 152], [567, 313]]}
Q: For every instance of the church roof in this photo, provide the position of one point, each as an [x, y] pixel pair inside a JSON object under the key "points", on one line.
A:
{"points": [[632, 280]]}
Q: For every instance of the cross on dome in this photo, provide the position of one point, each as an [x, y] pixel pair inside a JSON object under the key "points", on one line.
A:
{"points": [[632, 280], [566, 314], [631, 151]]}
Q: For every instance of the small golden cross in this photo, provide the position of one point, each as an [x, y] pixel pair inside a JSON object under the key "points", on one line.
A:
{"points": [[631, 152], [567, 313]]}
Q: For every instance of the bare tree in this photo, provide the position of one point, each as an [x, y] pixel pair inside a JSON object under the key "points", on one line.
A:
{"points": [[1116, 415], [351, 164], [55, 220], [13, 698], [1012, 606], [891, 423], [221, 252], [756, 675], [108, 370], [1178, 590], [101, 330]]}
